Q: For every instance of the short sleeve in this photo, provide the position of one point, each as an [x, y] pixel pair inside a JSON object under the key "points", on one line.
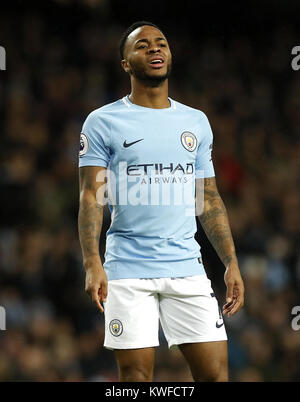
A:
{"points": [[95, 141], [204, 163]]}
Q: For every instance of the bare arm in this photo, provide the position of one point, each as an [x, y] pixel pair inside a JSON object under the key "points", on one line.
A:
{"points": [[214, 221], [90, 217]]}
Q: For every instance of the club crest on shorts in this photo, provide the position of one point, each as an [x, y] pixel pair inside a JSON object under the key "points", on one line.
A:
{"points": [[116, 327], [189, 141], [84, 144]]}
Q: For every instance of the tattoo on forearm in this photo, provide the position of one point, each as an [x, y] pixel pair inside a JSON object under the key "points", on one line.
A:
{"points": [[90, 223], [214, 221], [90, 215]]}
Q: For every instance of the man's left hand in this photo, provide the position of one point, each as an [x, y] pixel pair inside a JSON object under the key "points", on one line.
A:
{"points": [[235, 290]]}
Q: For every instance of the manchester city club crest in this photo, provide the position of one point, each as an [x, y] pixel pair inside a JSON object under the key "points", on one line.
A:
{"points": [[116, 327], [189, 141], [84, 144]]}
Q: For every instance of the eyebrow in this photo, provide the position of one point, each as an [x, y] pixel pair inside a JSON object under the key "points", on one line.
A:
{"points": [[146, 40]]}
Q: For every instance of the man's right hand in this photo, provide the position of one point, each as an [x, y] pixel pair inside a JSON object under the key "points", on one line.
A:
{"points": [[92, 188], [96, 283]]}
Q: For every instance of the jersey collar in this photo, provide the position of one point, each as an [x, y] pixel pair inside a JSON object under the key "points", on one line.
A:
{"points": [[128, 103]]}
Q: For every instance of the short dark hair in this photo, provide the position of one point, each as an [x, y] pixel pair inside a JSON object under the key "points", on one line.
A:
{"points": [[128, 31]]}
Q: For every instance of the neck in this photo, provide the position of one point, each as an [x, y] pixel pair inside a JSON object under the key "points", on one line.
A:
{"points": [[152, 97]]}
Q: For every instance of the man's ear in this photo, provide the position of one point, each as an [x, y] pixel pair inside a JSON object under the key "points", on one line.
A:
{"points": [[126, 66]]}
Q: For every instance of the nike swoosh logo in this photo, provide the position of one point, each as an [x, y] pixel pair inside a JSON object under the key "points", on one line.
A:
{"points": [[128, 144], [219, 325]]}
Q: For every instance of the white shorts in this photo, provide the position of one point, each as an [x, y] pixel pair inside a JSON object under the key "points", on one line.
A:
{"points": [[186, 307]]}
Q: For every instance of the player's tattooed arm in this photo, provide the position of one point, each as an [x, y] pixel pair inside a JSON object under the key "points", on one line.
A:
{"points": [[90, 215], [214, 220], [90, 218]]}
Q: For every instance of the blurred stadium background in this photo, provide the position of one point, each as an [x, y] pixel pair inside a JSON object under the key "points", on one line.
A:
{"points": [[233, 61]]}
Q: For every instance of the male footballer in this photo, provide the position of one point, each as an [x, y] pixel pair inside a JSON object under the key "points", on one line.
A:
{"points": [[150, 156]]}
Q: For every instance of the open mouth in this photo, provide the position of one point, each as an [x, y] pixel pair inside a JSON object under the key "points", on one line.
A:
{"points": [[157, 62]]}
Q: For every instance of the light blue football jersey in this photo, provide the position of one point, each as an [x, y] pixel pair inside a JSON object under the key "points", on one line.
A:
{"points": [[153, 157]]}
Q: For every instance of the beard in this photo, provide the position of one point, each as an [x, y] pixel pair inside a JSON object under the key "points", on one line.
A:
{"points": [[148, 79]]}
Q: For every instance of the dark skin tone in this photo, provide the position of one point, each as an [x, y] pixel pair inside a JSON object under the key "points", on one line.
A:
{"points": [[90, 219], [214, 221], [149, 88], [141, 46]]}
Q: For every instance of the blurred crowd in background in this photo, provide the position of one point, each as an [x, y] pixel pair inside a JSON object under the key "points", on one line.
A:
{"points": [[62, 63]]}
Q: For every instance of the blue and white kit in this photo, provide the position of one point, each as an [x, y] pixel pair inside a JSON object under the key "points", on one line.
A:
{"points": [[153, 156], [153, 262]]}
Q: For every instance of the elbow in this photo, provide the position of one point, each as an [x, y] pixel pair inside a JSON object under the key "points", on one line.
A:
{"points": [[87, 196]]}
